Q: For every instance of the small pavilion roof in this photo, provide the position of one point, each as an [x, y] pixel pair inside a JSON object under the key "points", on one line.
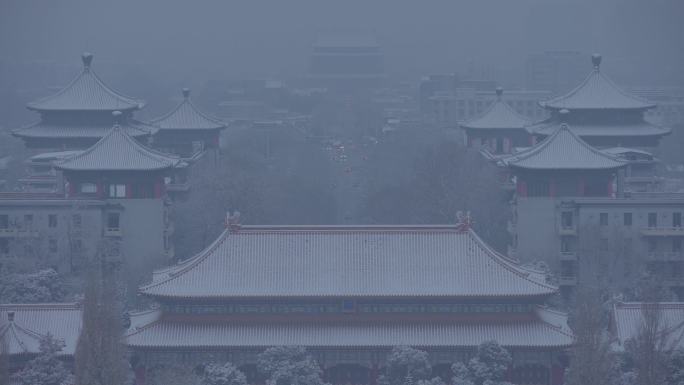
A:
{"points": [[22, 326], [642, 129], [563, 150], [86, 93], [186, 116], [597, 91], [499, 115], [43, 130], [629, 318], [352, 261], [118, 151]]}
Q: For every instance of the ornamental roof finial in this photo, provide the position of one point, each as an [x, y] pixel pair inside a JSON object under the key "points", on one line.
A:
{"points": [[564, 117], [499, 92], [117, 117], [87, 58], [186, 92], [464, 221], [596, 61], [233, 221]]}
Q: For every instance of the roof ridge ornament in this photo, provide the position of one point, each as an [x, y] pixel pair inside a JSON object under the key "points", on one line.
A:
{"points": [[596, 61], [499, 92], [233, 221], [563, 114], [186, 92], [87, 59], [464, 221], [117, 117]]}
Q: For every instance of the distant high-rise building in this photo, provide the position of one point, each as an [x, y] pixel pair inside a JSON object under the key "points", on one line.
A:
{"points": [[347, 61], [555, 71]]}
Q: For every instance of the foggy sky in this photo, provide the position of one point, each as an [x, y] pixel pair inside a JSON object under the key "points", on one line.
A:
{"points": [[194, 41]]}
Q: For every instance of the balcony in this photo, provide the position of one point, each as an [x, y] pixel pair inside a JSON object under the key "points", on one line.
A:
{"points": [[567, 230], [663, 231], [568, 256], [113, 232], [567, 280], [666, 256], [8, 232]]}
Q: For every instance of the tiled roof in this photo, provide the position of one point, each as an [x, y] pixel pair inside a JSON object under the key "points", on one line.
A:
{"points": [[50, 131], [499, 115], [629, 318], [187, 116], [538, 332], [34, 321], [563, 150], [597, 92], [118, 151], [319, 261], [86, 93], [591, 130]]}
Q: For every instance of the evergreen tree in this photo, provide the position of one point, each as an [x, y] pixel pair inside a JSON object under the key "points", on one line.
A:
{"points": [[488, 367], [408, 366], [100, 354], [46, 368], [226, 374], [289, 365]]}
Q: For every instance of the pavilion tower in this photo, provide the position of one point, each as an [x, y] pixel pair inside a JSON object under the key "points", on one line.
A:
{"points": [[602, 114], [81, 113]]}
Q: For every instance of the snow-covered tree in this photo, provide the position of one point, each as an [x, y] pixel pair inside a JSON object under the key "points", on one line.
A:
{"points": [[46, 368], [407, 365], [226, 374], [42, 286], [289, 365], [488, 367]]}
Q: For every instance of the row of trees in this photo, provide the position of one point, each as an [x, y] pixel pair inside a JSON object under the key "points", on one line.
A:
{"points": [[293, 365]]}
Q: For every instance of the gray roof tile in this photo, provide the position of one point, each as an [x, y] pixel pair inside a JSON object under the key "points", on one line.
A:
{"points": [[187, 116], [499, 115], [52, 131]]}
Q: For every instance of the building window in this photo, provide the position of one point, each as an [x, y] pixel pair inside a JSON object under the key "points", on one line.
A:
{"points": [[117, 190], [676, 219], [677, 245], [77, 220], [88, 188], [28, 220], [4, 221], [52, 245], [348, 306], [77, 245], [603, 219], [652, 220], [52, 220], [4, 246], [652, 245], [627, 219], [113, 221], [566, 219]]}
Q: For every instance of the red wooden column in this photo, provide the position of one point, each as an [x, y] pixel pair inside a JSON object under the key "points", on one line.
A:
{"points": [[521, 188], [557, 375], [552, 187], [140, 375], [374, 374], [582, 185]]}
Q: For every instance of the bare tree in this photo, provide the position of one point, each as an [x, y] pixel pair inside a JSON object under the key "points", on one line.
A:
{"points": [[592, 362], [100, 355]]}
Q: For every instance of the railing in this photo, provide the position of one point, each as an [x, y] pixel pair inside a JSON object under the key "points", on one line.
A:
{"points": [[663, 231], [567, 230], [178, 186], [113, 232], [666, 255], [568, 256], [7, 232]]}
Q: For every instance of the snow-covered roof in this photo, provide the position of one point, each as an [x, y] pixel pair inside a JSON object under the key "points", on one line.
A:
{"points": [[118, 151], [597, 92], [563, 150], [23, 325], [547, 329], [49, 156], [356, 261], [587, 130], [86, 93], [499, 115], [187, 116], [43, 130], [629, 319]]}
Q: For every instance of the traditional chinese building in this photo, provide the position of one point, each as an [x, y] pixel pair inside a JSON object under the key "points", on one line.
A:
{"points": [[118, 169], [664, 319], [186, 130], [602, 114], [349, 294], [80, 114], [562, 166], [22, 326], [499, 129]]}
